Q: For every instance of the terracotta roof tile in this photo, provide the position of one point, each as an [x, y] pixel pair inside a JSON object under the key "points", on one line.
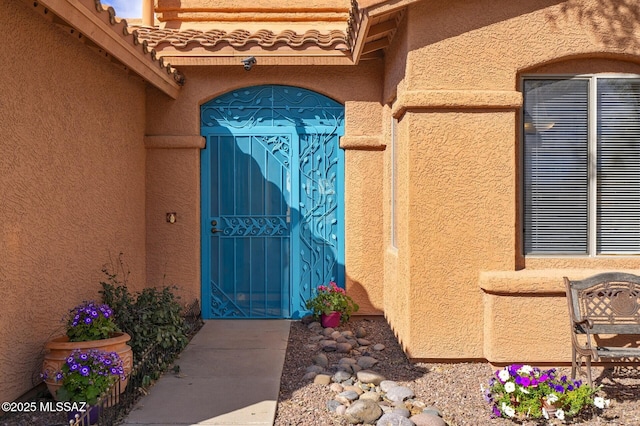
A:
{"points": [[157, 37]]}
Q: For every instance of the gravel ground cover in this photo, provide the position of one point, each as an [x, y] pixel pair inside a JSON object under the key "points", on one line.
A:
{"points": [[454, 388]]}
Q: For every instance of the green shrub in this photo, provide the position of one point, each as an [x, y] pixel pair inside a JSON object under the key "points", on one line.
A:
{"points": [[150, 316]]}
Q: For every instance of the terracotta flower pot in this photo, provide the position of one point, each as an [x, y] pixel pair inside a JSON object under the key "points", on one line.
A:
{"points": [[330, 320], [59, 349]]}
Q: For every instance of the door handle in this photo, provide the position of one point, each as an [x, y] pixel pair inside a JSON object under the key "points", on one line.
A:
{"points": [[213, 224]]}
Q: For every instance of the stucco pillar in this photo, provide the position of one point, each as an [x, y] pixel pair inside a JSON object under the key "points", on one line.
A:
{"points": [[173, 187]]}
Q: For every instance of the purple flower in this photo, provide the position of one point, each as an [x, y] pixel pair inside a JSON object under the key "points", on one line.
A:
{"points": [[85, 371], [84, 356], [59, 376], [74, 366], [70, 360], [559, 388], [88, 320], [114, 371], [496, 411]]}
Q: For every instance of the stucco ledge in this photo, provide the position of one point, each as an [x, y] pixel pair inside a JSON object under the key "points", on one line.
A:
{"points": [[362, 142], [456, 99], [174, 142], [535, 281]]}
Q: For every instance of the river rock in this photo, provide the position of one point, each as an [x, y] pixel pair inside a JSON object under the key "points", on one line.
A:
{"points": [[399, 393], [321, 360], [361, 332], [385, 385], [322, 379], [424, 419], [393, 419], [347, 397], [363, 411], [367, 362], [378, 347], [341, 376], [368, 376]]}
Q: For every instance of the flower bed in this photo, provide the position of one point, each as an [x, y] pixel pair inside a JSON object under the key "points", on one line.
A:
{"points": [[522, 391]]}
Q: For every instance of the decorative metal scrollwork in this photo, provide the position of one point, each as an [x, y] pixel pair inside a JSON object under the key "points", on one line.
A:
{"points": [[254, 226]]}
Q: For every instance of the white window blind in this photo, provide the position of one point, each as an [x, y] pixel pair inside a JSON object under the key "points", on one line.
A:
{"points": [[618, 174], [556, 151], [582, 187]]}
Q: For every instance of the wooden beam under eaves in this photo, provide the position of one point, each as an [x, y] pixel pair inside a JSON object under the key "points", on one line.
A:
{"points": [[375, 45], [382, 28]]}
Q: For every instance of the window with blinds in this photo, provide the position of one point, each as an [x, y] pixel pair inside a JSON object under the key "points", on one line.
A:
{"points": [[581, 165]]}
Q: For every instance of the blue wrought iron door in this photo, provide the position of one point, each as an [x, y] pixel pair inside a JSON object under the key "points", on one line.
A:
{"points": [[272, 206]]}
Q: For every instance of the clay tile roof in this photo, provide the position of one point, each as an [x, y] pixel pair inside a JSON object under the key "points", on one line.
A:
{"points": [[157, 37]]}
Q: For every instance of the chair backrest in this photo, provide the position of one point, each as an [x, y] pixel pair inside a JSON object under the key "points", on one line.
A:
{"points": [[609, 301]]}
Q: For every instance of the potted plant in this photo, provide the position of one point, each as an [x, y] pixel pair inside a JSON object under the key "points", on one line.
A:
{"points": [[84, 377], [522, 391], [332, 305], [89, 326]]}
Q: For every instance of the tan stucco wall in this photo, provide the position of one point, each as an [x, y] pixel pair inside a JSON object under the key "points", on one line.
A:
{"points": [[458, 104], [174, 174], [71, 183]]}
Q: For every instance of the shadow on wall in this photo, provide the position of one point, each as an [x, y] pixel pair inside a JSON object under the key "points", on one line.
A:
{"points": [[614, 22]]}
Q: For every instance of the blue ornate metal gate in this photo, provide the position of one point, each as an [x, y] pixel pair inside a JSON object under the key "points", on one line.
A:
{"points": [[272, 205]]}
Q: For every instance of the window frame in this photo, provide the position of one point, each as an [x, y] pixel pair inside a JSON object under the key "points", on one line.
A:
{"points": [[592, 135]]}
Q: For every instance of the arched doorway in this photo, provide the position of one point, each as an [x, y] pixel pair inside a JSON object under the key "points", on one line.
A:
{"points": [[272, 201]]}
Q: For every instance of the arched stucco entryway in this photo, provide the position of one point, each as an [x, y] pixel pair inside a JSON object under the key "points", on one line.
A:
{"points": [[272, 182]]}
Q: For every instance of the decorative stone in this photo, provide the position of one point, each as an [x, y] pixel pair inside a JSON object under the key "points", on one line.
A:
{"points": [[336, 387], [361, 332], [341, 410], [393, 419], [363, 342], [327, 331], [431, 410], [385, 385], [314, 324], [399, 393], [424, 419], [343, 348], [316, 338], [353, 342], [363, 411], [367, 362], [332, 405], [356, 389], [347, 333], [322, 379], [420, 405], [328, 345], [309, 376], [404, 412], [373, 396], [335, 335], [341, 376], [321, 360], [314, 369], [341, 339], [347, 361], [347, 397], [368, 376], [346, 367], [378, 347]]}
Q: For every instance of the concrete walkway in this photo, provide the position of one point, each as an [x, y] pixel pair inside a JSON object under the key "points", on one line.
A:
{"points": [[229, 375]]}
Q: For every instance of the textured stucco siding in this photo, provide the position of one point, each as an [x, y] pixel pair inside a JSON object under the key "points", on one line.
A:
{"points": [[71, 183], [173, 186], [471, 292]]}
